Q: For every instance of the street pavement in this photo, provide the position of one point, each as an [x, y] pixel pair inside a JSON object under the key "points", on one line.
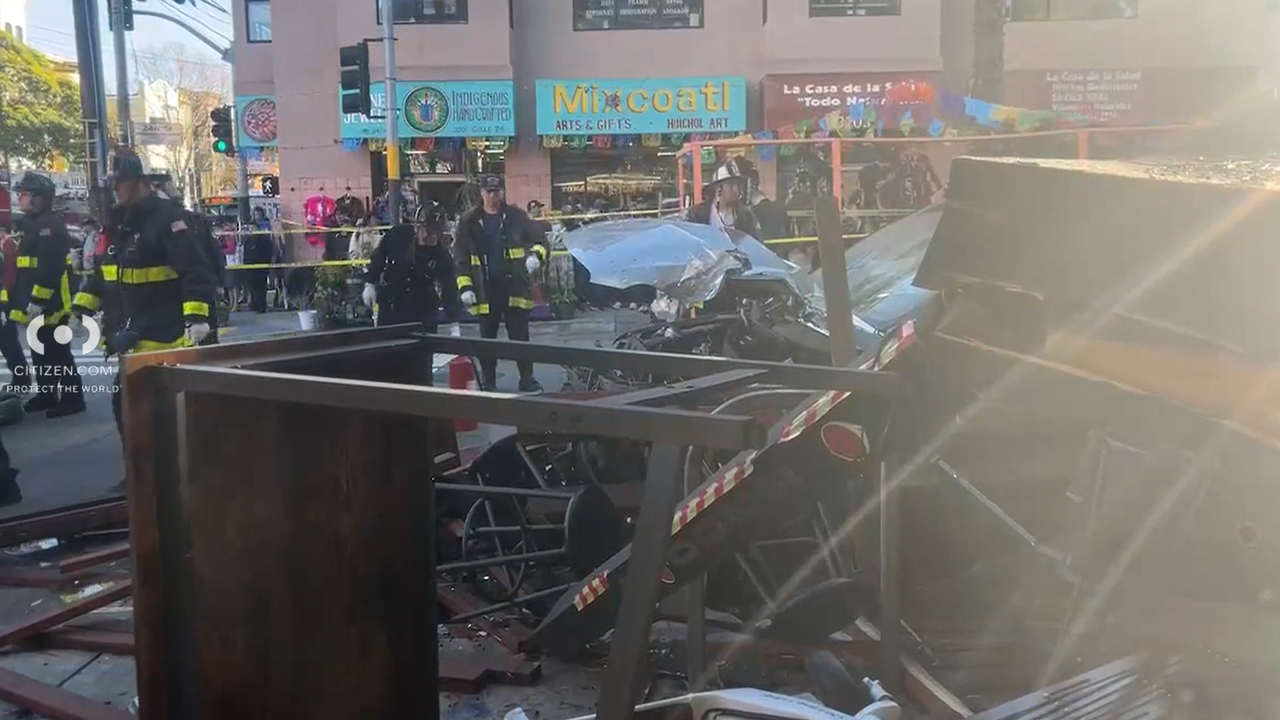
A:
{"points": [[78, 458]]}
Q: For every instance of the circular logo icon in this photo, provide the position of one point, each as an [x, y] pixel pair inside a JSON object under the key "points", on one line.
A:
{"points": [[426, 110], [63, 335]]}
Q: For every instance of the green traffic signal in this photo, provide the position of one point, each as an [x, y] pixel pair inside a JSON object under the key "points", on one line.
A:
{"points": [[221, 146]]}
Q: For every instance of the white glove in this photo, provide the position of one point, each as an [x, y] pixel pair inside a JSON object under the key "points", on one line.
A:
{"points": [[455, 330], [197, 332], [532, 263], [370, 294], [33, 310], [468, 298]]}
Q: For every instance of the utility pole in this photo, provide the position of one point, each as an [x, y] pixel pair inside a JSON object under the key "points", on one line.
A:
{"points": [[92, 105], [392, 112], [122, 71], [242, 162]]}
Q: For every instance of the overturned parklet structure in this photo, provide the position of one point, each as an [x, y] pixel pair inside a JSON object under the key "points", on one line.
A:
{"points": [[272, 550]]}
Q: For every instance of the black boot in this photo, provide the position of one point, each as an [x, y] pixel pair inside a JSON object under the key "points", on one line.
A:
{"points": [[40, 403], [10, 493], [69, 405]]}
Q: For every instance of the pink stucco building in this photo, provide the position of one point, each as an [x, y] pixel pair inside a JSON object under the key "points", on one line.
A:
{"points": [[496, 80]]}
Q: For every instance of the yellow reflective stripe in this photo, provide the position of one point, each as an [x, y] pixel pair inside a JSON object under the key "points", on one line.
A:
{"points": [[55, 318], [481, 309], [515, 253], [140, 276], [464, 282], [41, 292], [4, 295], [65, 292], [88, 301], [520, 303], [70, 262], [110, 273], [28, 261], [195, 308], [476, 261], [151, 346], [19, 316], [540, 251]]}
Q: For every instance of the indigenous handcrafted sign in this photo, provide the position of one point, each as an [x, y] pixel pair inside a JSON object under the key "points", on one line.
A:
{"points": [[789, 99], [648, 105], [255, 121], [472, 108]]}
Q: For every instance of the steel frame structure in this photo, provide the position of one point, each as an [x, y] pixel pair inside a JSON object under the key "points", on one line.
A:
{"points": [[237, 512], [836, 145]]}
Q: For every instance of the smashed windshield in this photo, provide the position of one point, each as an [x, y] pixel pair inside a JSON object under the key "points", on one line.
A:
{"points": [[885, 260]]}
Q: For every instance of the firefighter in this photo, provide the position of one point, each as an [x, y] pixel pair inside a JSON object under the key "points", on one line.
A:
{"points": [[725, 205], [166, 283], [100, 293], [411, 271], [10, 344], [498, 249], [44, 291]]}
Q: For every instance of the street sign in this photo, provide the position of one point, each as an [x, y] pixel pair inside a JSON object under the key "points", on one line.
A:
{"points": [[271, 186], [158, 133]]}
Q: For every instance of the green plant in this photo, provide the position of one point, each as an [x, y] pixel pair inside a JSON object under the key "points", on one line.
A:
{"points": [[329, 298]]}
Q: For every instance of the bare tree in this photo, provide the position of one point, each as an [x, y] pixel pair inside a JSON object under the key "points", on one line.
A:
{"points": [[201, 86]]}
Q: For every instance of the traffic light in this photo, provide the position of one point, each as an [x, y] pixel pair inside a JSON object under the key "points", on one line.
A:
{"points": [[270, 186], [126, 7], [223, 131], [354, 60]]}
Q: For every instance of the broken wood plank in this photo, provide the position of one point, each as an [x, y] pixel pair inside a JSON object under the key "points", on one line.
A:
{"points": [[97, 557], [468, 674], [49, 578], [460, 602], [53, 702], [34, 626], [97, 515], [98, 641]]}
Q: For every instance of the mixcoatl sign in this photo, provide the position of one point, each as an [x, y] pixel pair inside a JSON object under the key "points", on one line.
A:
{"points": [[649, 105]]}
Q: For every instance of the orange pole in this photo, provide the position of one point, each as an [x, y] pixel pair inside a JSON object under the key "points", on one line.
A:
{"points": [[1082, 145], [680, 180], [837, 173], [696, 149]]}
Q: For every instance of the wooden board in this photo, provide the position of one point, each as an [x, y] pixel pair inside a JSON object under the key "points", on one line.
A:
{"points": [[310, 546]]}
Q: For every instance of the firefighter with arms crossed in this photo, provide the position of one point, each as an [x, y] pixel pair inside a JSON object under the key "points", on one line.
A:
{"points": [[166, 282], [411, 271], [44, 291], [497, 251]]}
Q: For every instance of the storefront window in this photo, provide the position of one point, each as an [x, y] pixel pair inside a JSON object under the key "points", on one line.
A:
{"points": [[636, 14], [410, 12], [1073, 9], [854, 8], [257, 15], [611, 179]]}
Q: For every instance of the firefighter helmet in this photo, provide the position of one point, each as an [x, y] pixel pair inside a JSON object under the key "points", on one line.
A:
{"points": [[430, 214], [36, 184]]}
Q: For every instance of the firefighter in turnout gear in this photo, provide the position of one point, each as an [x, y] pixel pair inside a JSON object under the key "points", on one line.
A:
{"points": [[100, 293], [44, 293], [411, 271], [497, 250], [166, 283]]}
